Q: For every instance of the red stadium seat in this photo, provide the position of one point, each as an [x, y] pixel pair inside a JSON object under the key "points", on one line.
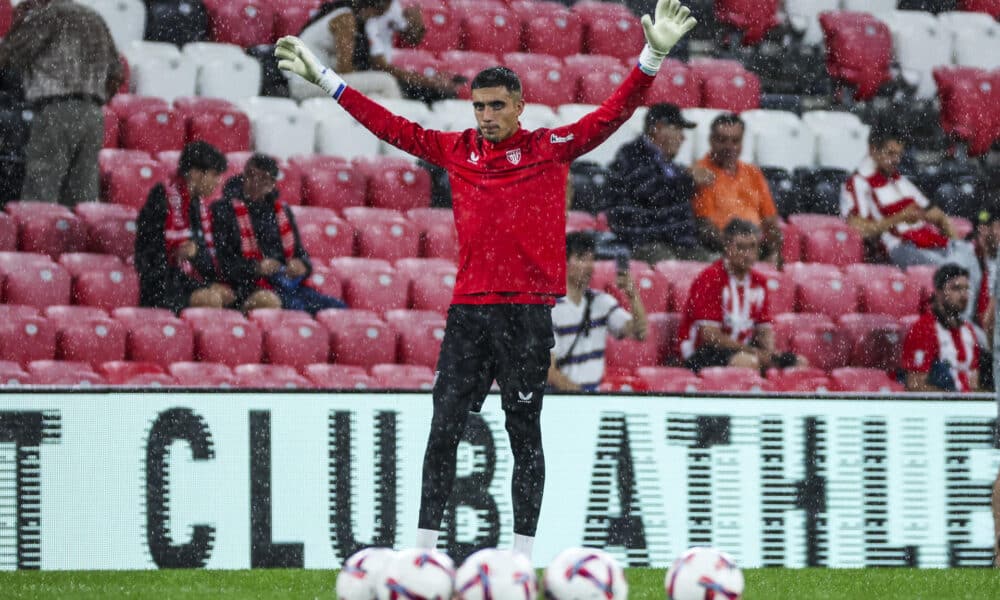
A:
{"points": [[822, 289], [578, 220], [669, 379], [417, 61], [403, 377], [383, 233], [86, 334], [126, 105], [969, 105], [623, 383], [129, 183], [111, 130], [549, 28], [841, 245], [431, 283], [292, 16], [28, 280], [107, 288], [419, 337], [681, 274], [791, 247], [787, 324], [163, 341], [736, 92], [189, 106], [47, 228], [609, 28], [624, 356], [395, 183], [753, 18], [132, 314], [851, 379], [11, 374], [324, 235], [859, 50], [295, 342], [487, 26], [330, 182], [120, 372], [731, 379], [442, 30], [229, 131], [653, 286], [244, 23], [780, 289], [438, 238], [798, 379], [201, 315], [227, 343], [339, 377], [269, 317], [594, 76], [63, 373], [884, 289], [875, 340], [202, 374], [676, 84], [324, 281], [824, 349], [543, 78], [289, 183], [8, 233], [269, 376], [922, 278], [358, 337], [468, 65], [25, 338], [990, 7], [153, 131], [80, 262]]}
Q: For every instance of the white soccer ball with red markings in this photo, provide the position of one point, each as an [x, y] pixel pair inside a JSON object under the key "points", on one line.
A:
{"points": [[703, 573], [492, 574], [418, 574], [585, 574], [361, 573]]}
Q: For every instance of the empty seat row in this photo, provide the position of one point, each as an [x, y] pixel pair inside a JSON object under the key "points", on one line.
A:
{"points": [[150, 124], [735, 379], [201, 68]]}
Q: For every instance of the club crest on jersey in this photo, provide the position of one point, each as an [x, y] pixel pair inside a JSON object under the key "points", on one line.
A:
{"points": [[514, 156]]}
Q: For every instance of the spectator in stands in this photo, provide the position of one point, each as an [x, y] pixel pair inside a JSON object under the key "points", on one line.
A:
{"points": [[729, 188], [940, 353], [652, 194], [582, 318], [727, 320], [986, 240], [883, 205], [174, 247], [257, 243], [69, 68]]}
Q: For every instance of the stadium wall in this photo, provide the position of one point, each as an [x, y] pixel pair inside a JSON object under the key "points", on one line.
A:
{"points": [[146, 479]]}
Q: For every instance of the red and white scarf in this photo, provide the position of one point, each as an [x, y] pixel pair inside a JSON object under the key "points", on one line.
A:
{"points": [[177, 228], [248, 239]]}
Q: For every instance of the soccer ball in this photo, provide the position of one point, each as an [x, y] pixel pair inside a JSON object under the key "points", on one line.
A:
{"points": [[418, 573], [703, 573], [361, 573], [585, 574], [493, 574]]}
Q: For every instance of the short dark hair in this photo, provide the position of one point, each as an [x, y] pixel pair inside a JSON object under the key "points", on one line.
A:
{"points": [[497, 77], [263, 162], [579, 243], [880, 135], [203, 156], [727, 119], [737, 227], [948, 272]]}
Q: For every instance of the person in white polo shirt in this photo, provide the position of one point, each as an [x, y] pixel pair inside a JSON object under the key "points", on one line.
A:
{"points": [[583, 317]]}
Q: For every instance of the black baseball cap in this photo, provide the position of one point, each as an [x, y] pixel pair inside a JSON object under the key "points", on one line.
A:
{"points": [[669, 114]]}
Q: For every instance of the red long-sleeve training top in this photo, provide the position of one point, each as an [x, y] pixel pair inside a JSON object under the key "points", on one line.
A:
{"points": [[508, 198]]}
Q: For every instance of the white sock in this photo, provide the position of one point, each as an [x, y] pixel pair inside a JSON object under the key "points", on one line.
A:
{"points": [[523, 544], [427, 539]]}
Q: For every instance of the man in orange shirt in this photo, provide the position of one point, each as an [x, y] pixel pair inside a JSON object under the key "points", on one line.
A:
{"points": [[731, 189]]}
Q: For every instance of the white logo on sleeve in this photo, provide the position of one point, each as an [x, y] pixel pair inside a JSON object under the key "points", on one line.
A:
{"points": [[474, 158], [560, 139], [525, 398]]}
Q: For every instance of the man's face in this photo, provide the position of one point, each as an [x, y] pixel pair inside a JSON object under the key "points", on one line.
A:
{"points": [[726, 144], [257, 183], [668, 138], [497, 111], [580, 268], [742, 251], [888, 157], [954, 297], [202, 183]]}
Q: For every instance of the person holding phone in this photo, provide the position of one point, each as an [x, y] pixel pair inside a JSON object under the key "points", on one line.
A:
{"points": [[582, 319]]}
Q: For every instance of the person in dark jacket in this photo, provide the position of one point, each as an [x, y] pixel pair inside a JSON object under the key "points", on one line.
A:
{"points": [[257, 243], [174, 247], [651, 204]]}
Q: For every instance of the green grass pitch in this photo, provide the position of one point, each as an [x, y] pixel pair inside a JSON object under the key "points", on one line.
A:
{"points": [[644, 584]]}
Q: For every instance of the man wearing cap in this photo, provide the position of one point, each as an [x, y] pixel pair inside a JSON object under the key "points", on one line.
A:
{"points": [[651, 194]]}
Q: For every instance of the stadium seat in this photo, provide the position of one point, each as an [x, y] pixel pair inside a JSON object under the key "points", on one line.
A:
{"points": [[232, 77], [675, 84], [874, 340], [80, 262], [419, 337], [680, 274], [822, 289], [978, 49], [780, 289], [284, 135], [593, 77], [229, 131], [735, 92], [153, 131], [442, 30], [63, 373], [618, 383], [578, 220], [669, 379], [853, 379], [624, 356], [163, 340], [653, 287], [803, 16], [884, 289], [543, 79], [969, 104], [202, 374], [467, 64], [403, 377], [702, 117], [269, 376], [244, 23], [289, 183], [126, 19], [358, 337], [383, 233], [752, 19], [295, 342], [25, 338], [609, 28], [122, 372], [227, 343], [731, 379], [922, 278], [106, 288], [549, 28], [323, 280], [133, 314], [292, 16], [162, 77], [787, 324], [840, 245], [31, 281], [395, 183], [11, 374], [438, 237], [201, 315], [338, 377], [324, 235], [433, 288], [537, 116], [110, 228], [271, 317], [798, 379], [330, 182], [958, 22], [920, 44], [487, 26], [823, 348], [779, 139], [859, 51], [47, 228]]}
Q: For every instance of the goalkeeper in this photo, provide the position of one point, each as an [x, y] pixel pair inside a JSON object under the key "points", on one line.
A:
{"points": [[509, 192]]}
